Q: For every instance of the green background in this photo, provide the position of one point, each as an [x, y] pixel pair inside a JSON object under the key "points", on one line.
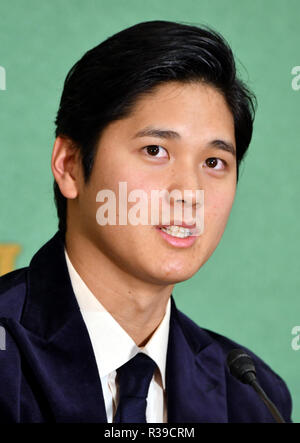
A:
{"points": [[249, 289]]}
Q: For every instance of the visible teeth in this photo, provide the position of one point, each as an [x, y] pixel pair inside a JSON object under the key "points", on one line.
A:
{"points": [[177, 231]]}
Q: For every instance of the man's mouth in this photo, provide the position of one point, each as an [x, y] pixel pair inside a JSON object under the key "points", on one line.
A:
{"points": [[176, 231]]}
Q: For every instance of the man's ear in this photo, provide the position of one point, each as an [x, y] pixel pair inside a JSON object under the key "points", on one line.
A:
{"points": [[66, 166]]}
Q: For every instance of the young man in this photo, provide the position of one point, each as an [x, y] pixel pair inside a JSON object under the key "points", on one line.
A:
{"points": [[92, 330]]}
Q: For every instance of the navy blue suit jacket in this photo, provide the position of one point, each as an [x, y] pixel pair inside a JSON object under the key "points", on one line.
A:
{"points": [[48, 371]]}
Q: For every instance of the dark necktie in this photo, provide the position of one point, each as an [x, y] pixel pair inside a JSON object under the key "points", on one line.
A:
{"points": [[134, 379]]}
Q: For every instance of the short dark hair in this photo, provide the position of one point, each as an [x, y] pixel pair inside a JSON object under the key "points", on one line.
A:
{"points": [[105, 83]]}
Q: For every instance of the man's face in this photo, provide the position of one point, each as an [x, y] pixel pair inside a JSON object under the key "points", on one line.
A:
{"points": [[191, 160]]}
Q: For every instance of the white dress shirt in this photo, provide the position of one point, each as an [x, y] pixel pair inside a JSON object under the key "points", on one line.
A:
{"points": [[113, 347]]}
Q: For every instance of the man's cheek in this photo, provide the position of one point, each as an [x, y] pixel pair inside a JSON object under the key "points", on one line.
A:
{"points": [[216, 215]]}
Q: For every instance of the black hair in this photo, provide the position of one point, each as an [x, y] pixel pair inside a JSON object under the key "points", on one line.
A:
{"points": [[105, 83]]}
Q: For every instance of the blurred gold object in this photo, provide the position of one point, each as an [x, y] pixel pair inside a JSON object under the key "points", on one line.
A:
{"points": [[8, 255]]}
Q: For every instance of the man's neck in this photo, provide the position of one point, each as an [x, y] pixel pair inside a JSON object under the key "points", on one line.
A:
{"points": [[137, 306]]}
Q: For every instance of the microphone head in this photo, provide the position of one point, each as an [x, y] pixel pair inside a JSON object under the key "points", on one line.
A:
{"points": [[241, 365]]}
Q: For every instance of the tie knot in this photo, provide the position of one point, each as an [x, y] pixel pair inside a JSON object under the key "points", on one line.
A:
{"points": [[134, 376]]}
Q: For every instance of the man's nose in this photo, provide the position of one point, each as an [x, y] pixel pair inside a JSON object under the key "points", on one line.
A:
{"points": [[186, 184]]}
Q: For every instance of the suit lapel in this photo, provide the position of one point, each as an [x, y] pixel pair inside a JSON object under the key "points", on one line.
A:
{"points": [[55, 342], [195, 379]]}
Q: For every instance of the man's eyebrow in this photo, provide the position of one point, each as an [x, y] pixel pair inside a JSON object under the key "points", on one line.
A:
{"points": [[170, 134], [156, 132], [222, 144]]}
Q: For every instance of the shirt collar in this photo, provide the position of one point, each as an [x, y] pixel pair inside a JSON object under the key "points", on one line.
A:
{"points": [[115, 348]]}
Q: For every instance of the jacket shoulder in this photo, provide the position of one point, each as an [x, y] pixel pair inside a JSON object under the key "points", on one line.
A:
{"points": [[13, 288], [274, 386], [225, 344]]}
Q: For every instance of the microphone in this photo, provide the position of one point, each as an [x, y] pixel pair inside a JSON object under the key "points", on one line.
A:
{"points": [[242, 367]]}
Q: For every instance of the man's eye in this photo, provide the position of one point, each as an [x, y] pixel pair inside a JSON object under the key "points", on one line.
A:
{"points": [[154, 150], [212, 163]]}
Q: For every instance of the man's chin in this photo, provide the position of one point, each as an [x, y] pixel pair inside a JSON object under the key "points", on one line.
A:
{"points": [[174, 277]]}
